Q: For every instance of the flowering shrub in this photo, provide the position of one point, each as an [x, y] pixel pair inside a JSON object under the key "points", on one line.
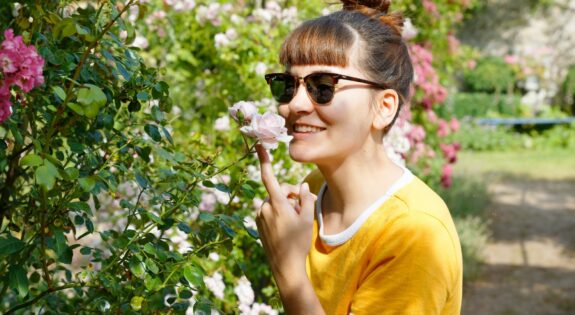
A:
{"points": [[20, 65]]}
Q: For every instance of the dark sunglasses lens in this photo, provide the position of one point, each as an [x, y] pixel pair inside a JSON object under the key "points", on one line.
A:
{"points": [[321, 88], [282, 87]]}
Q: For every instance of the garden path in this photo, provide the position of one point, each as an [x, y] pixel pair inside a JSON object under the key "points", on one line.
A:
{"points": [[530, 259]]}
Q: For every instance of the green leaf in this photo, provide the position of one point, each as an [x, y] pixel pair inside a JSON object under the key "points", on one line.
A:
{"points": [[59, 92], [153, 132], [143, 96], [80, 206], [157, 114], [152, 283], [154, 217], [72, 172], [142, 181], [207, 217], [46, 175], [223, 188], [66, 256], [167, 135], [137, 267], [60, 244], [248, 191], [76, 108], [150, 249], [202, 308], [194, 275], [18, 280], [31, 160], [123, 71], [182, 226], [85, 250], [92, 99], [151, 265], [10, 245], [136, 303], [87, 183]]}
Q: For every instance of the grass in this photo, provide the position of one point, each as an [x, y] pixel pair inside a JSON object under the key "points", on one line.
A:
{"points": [[551, 164]]}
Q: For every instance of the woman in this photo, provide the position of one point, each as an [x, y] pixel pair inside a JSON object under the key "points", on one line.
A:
{"points": [[376, 239]]}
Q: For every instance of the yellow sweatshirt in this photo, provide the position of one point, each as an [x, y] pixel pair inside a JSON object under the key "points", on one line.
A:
{"points": [[401, 256]]}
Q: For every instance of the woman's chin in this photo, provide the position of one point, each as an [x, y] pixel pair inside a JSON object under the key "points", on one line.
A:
{"points": [[300, 155]]}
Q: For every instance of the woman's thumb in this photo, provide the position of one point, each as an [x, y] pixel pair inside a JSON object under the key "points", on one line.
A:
{"points": [[307, 200]]}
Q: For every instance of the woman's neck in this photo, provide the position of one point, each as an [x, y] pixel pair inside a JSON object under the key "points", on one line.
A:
{"points": [[357, 181]]}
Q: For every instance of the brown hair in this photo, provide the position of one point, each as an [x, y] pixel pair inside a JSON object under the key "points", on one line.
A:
{"points": [[328, 40]]}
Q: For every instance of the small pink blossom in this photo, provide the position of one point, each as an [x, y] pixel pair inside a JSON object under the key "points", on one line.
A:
{"points": [[268, 128], [454, 124], [246, 109], [222, 123], [511, 59], [471, 64], [446, 173], [443, 129], [449, 152], [430, 7], [431, 116]]}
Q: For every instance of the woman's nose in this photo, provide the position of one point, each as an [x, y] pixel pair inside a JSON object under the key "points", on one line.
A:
{"points": [[301, 103]]}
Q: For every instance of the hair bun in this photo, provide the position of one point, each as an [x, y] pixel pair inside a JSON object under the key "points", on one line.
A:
{"points": [[380, 6]]}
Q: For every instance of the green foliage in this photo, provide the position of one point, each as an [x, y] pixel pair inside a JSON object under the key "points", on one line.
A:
{"points": [[92, 184], [567, 92], [492, 74], [473, 235], [463, 104], [482, 138]]}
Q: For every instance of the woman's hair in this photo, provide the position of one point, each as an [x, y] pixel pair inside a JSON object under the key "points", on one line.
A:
{"points": [[329, 40]]}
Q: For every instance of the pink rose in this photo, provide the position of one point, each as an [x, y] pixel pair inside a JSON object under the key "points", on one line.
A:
{"points": [[443, 129], [454, 124], [446, 179], [247, 110], [268, 128]]}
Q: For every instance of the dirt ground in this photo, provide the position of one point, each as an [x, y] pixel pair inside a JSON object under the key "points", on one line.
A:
{"points": [[530, 259]]}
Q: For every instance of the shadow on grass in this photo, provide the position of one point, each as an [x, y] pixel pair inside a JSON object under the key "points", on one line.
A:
{"points": [[510, 290], [532, 209]]}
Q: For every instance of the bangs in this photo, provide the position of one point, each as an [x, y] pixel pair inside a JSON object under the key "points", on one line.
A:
{"points": [[323, 41]]}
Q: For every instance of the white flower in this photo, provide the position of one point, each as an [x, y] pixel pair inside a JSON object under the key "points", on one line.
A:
{"points": [[269, 129], [244, 291], [140, 42], [208, 202], [216, 285], [232, 34], [214, 256], [247, 109], [261, 68], [221, 40], [409, 31], [223, 123], [16, 10]]}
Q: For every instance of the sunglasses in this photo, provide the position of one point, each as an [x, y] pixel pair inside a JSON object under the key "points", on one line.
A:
{"points": [[320, 86]]}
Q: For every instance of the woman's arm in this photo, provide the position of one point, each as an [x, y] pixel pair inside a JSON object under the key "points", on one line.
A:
{"points": [[286, 229]]}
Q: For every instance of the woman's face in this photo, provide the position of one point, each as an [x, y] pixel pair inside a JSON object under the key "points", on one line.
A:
{"points": [[331, 132]]}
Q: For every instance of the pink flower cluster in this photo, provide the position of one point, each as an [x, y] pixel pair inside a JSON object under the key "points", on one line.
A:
{"points": [[426, 78], [20, 65]]}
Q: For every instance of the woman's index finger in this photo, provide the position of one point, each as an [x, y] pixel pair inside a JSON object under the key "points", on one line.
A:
{"points": [[268, 178]]}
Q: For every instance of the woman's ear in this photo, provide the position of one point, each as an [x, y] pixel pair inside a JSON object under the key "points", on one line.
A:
{"points": [[386, 107]]}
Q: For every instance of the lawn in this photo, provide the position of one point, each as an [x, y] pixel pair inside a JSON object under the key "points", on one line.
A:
{"points": [[552, 164]]}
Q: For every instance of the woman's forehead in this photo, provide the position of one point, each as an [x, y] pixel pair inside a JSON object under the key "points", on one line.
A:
{"points": [[303, 70]]}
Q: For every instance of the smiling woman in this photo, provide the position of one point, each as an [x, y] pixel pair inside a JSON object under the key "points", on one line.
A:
{"points": [[366, 236]]}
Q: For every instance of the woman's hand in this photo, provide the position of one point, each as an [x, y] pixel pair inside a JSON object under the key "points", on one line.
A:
{"points": [[285, 222]]}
